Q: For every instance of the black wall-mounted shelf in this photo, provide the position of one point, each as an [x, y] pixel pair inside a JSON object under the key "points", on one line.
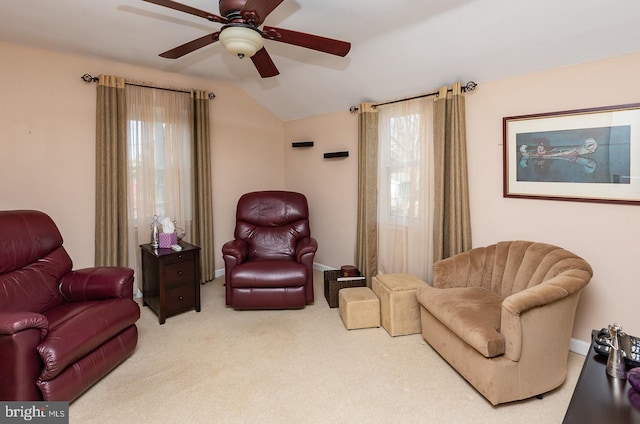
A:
{"points": [[302, 144], [331, 155]]}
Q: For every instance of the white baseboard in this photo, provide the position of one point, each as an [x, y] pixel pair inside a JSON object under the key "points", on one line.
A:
{"points": [[321, 267], [579, 346]]}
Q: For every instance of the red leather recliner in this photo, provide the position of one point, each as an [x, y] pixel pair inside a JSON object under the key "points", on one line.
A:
{"points": [[60, 330], [269, 265]]}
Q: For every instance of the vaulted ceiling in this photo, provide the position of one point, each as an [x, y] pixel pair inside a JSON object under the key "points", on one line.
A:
{"points": [[399, 47]]}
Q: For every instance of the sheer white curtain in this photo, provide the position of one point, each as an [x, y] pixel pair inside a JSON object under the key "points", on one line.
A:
{"points": [[158, 161], [405, 187]]}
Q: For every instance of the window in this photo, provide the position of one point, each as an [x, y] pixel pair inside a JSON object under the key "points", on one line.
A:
{"points": [[404, 186], [162, 164], [403, 167], [159, 161]]}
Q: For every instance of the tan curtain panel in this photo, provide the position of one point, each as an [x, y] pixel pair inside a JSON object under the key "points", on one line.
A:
{"points": [[201, 187], [405, 192], [452, 223], [159, 157], [111, 173], [367, 230]]}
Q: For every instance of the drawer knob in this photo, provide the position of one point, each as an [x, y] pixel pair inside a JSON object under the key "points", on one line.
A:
{"points": [[179, 272], [181, 298]]}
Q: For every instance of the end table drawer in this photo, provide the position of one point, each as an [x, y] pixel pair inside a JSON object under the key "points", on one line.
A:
{"points": [[179, 273], [180, 256], [180, 298]]}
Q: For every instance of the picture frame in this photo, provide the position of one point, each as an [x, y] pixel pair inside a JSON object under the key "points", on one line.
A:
{"points": [[583, 155]]}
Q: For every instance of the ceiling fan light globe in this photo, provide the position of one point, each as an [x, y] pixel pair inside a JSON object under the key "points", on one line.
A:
{"points": [[241, 41]]}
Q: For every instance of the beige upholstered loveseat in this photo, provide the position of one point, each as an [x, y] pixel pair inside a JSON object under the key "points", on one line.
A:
{"points": [[502, 316]]}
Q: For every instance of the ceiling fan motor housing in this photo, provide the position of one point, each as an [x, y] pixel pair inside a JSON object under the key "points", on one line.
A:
{"points": [[230, 7]]}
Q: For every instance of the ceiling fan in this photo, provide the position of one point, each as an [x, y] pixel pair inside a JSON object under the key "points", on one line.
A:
{"points": [[241, 35]]}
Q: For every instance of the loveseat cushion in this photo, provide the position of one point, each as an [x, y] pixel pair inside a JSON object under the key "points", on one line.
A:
{"points": [[75, 329], [472, 313]]}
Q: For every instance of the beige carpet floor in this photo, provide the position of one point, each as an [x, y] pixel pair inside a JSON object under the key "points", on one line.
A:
{"points": [[297, 366]]}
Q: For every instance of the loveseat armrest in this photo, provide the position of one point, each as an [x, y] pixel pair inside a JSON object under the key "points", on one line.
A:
{"points": [[305, 246], [235, 250], [97, 283], [516, 307], [20, 365], [12, 323]]}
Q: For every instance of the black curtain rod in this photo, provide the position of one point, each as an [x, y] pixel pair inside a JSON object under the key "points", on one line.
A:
{"points": [[89, 78], [470, 86]]}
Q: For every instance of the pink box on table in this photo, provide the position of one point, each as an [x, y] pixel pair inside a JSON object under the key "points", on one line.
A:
{"points": [[165, 240]]}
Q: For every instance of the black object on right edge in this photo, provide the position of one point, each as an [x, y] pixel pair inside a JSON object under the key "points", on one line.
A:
{"points": [[602, 347]]}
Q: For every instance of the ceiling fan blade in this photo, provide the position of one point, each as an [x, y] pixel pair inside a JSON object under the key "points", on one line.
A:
{"points": [[191, 46], [188, 9], [264, 64], [309, 41], [256, 11]]}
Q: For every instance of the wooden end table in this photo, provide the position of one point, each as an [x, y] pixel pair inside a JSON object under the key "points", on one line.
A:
{"points": [[171, 279]]}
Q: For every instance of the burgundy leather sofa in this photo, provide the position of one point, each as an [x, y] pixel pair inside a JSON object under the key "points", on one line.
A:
{"points": [[60, 330], [269, 265]]}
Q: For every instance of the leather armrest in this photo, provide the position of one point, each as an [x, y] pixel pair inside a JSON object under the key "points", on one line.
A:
{"points": [[97, 283], [234, 253], [237, 249], [305, 246], [14, 322], [20, 363]]}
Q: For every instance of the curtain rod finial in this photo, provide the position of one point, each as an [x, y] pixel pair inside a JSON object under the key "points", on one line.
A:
{"points": [[470, 86], [88, 78]]}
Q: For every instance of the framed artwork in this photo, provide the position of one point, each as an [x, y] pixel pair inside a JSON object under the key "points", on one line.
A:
{"points": [[586, 155]]}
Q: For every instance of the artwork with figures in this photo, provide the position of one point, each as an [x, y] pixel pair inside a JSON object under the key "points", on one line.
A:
{"points": [[589, 155]]}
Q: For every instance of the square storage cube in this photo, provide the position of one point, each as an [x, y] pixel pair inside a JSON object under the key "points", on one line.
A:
{"points": [[399, 308], [359, 308]]}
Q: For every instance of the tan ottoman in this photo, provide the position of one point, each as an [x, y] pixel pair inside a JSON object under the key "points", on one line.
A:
{"points": [[399, 308], [359, 308]]}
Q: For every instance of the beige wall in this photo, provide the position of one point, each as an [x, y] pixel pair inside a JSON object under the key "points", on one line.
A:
{"points": [[331, 185], [606, 235], [47, 116], [47, 144]]}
